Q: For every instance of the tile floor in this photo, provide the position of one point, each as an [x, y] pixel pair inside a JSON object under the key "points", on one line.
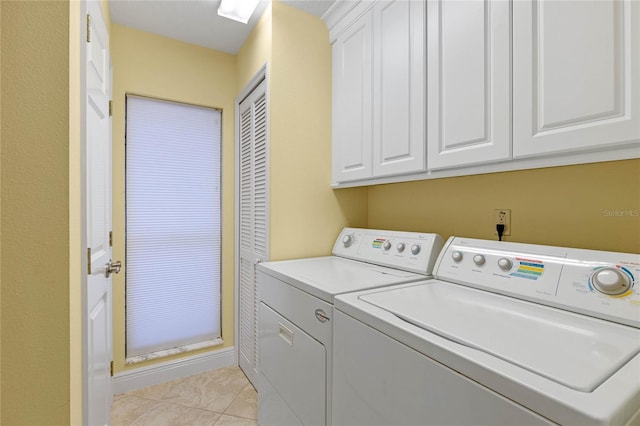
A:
{"points": [[222, 397]]}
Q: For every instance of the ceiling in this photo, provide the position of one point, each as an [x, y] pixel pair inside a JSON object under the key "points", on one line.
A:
{"points": [[197, 21]]}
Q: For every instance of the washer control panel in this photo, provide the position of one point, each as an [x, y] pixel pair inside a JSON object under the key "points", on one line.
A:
{"points": [[597, 283], [409, 251]]}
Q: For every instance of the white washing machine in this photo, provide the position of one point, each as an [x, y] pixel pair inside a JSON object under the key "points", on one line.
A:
{"points": [[506, 334], [296, 315]]}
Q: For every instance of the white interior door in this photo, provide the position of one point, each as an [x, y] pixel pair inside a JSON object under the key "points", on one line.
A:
{"points": [[253, 220], [97, 336]]}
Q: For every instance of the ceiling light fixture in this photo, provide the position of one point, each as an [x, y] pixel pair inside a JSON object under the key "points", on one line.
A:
{"points": [[238, 10]]}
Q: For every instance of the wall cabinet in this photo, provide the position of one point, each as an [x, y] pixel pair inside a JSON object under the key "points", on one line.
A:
{"points": [[469, 82], [473, 86], [353, 101], [576, 75], [398, 89], [378, 91]]}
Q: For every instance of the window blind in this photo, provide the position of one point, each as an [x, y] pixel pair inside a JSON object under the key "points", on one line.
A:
{"points": [[173, 225]]}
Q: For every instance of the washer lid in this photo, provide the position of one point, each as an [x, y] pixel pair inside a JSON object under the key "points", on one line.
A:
{"points": [[574, 350], [325, 277]]}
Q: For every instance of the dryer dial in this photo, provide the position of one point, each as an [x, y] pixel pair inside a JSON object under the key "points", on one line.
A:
{"points": [[611, 281]]}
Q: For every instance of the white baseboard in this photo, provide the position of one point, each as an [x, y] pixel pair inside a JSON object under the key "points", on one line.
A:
{"points": [[142, 377]]}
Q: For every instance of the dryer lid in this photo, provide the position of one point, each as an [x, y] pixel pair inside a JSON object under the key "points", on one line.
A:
{"points": [[574, 350], [325, 277]]}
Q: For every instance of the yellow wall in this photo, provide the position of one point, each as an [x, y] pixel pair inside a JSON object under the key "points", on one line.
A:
{"points": [[256, 50], [306, 214], [151, 65], [563, 206], [35, 213]]}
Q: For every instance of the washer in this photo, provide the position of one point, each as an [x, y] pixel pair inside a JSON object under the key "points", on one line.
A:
{"points": [[296, 315], [505, 334]]}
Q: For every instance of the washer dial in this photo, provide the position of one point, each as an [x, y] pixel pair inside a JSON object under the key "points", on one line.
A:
{"points": [[504, 263], [347, 240], [386, 245], [611, 281], [415, 249], [478, 259], [400, 247]]}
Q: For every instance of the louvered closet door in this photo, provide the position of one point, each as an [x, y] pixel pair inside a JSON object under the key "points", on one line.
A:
{"points": [[253, 215]]}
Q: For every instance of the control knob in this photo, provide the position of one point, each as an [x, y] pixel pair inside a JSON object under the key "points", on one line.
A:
{"points": [[504, 263], [400, 247], [478, 259], [610, 281], [347, 241], [415, 249], [456, 256], [386, 245]]}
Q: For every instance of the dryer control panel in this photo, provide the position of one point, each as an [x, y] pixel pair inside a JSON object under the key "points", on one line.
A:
{"points": [[597, 283], [409, 251]]}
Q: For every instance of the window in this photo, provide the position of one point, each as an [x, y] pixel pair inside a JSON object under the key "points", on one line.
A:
{"points": [[173, 225]]}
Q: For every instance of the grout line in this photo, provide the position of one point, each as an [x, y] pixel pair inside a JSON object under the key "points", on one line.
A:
{"points": [[235, 417], [220, 413]]}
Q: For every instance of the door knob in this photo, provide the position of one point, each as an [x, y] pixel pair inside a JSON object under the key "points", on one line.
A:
{"points": [[112, 268]]}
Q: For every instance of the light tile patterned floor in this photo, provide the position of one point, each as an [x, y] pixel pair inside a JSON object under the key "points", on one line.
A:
{"points": [[219, 397]]}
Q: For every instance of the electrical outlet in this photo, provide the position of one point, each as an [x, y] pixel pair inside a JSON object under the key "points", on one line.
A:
{"points": [[502, 216]]}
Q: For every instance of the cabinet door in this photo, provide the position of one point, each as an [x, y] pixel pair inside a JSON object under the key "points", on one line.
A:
{"points": [[398, 90], [469, 62], [352, 98], [576, 76]]}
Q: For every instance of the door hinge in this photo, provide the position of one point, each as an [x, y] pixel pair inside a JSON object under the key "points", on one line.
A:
{"points": [[88, 28], [110, 108], [89, 261], [110, 238], [111, 368]]}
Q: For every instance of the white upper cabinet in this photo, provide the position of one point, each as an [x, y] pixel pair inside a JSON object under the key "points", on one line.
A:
{"points": [[352, 101], [398, 87], [576, 75], [439, 88], [469, 82], [379, 90]]}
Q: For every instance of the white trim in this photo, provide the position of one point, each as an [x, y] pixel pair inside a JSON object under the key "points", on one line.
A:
{"points": [[337, 11], [129, 380], [345, 14], [173, 351], [255, 81], [83, 207], [554, 160]]}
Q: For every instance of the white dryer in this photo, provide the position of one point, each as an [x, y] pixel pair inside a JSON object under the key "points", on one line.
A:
{"points": [[506, 334], [296, 315]]}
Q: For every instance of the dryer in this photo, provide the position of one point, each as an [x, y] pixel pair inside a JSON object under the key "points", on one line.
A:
{"points": [[296, 315], [505, 334]]}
